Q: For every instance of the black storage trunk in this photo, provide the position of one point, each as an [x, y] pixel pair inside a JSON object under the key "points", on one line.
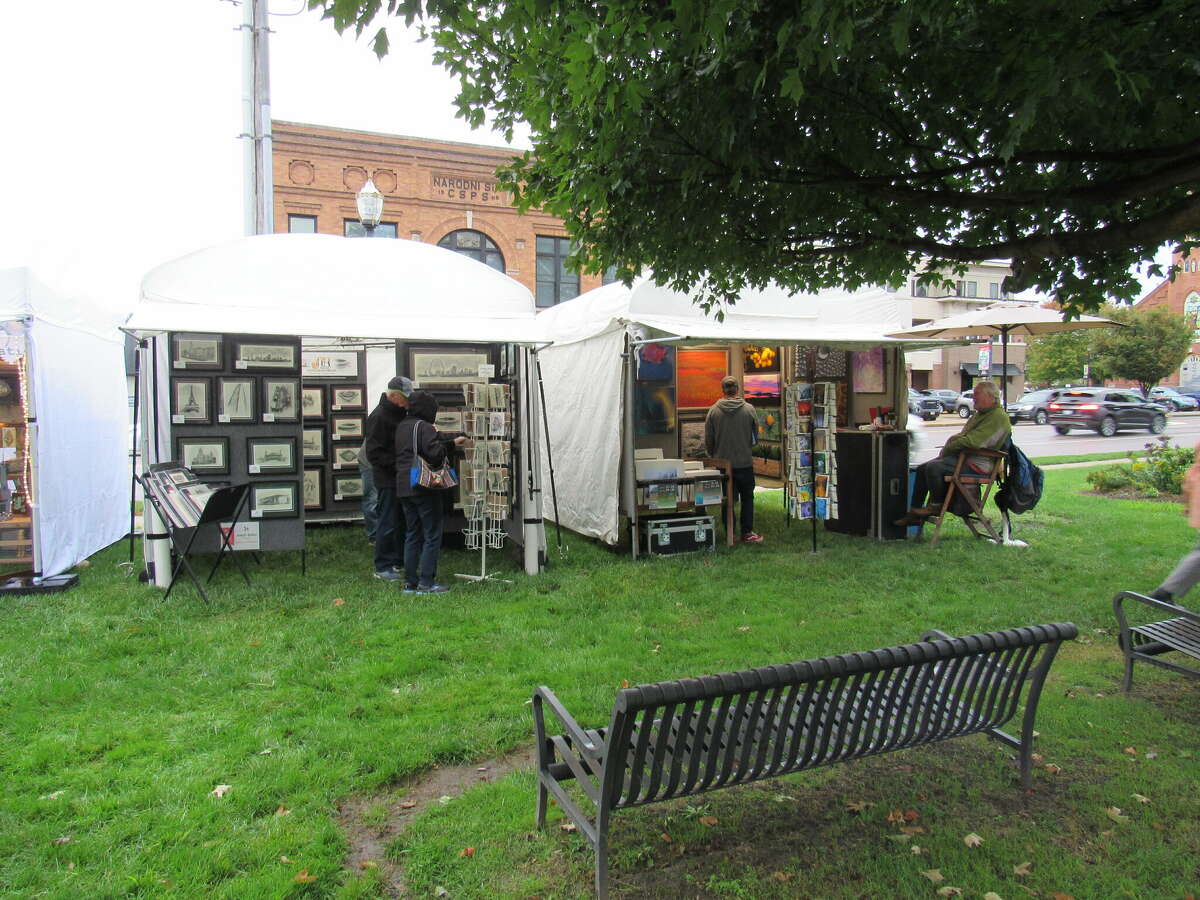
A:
{"points": [[872, 484], [685, 534]]}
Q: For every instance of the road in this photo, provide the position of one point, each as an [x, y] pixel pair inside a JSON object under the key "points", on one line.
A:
{"points": [[1041, 440]]}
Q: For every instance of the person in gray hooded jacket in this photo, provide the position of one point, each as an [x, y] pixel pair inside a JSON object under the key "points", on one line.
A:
{"points": [[730, 431]]}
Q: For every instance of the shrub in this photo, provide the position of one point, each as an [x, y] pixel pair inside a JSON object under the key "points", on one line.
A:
{"points": [[1160, 471], [1110, 478]]}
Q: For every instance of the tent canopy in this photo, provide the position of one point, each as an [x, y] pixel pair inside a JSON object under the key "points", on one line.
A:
{"points": [[317, 284]]}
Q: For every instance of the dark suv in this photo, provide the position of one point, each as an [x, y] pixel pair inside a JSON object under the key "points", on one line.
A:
{"points": [[1034, 406], [1105, 410], [928, 408], [945, 396]]}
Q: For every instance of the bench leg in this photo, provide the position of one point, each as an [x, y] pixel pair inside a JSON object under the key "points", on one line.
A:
{"points": [[1127, 681], [602, 857], [543, 797]]}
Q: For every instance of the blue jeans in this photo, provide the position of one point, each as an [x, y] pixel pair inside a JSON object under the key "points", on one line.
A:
{"points": [[389, 530], [370, 502], [741, 486], [423, 514]]}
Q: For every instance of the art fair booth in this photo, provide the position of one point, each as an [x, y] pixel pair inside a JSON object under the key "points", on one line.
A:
{"points": [[632, 372], [260, 359]]}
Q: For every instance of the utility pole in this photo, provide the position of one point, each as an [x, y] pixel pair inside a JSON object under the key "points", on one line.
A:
{"points": [[256, 120]]}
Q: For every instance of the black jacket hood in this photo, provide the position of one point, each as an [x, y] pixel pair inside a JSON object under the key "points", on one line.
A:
{"points": [[423, 405]]}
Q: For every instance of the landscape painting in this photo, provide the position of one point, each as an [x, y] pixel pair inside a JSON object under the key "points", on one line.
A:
{"points": [[698, 377]]}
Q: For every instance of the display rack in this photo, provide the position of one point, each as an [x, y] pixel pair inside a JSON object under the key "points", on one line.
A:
{"points": [[485, 476], [810, 418]]}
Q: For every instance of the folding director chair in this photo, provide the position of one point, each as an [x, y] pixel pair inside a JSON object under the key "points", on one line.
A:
{"points": [[967, 493]]}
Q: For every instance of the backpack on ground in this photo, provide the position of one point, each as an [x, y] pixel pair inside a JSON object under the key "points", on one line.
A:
{"points": [[1022, 486]]}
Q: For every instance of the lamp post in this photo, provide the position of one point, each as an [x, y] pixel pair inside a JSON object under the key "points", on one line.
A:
{"points": [[370, 207]]}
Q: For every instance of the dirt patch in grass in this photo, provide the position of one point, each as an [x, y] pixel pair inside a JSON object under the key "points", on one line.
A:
{"points": [[1127, 493], [371, 822]]}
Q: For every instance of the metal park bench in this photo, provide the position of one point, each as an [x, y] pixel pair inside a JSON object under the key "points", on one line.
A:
{"points": [[1180, 633], [680, 738]]}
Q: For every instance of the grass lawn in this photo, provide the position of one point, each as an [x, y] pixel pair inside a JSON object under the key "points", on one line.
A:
{"points": [[121, 714]]}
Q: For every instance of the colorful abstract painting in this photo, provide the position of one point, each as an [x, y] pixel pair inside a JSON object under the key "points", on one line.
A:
{"points": [[868, 371], [654, 409], [698, 377], [656, 362], [760, 387]]}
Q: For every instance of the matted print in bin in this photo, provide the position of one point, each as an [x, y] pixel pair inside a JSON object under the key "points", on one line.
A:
{"points": [[698, 377], [203, 455], [313, 443], [346, 456], [314, 488], [237, 400], [274, 500], [263, 355], [196, 351], [312, 402], [347, 487], [270, 455], [346, 428], [190, 401], [281, 399], [352, 396]]}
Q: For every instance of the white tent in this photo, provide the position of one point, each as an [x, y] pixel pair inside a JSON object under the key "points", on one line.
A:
{"points": [[589, 381], [78, 427], [311, 285]]}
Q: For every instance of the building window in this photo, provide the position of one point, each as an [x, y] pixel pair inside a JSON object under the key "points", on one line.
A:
{"points": [[302, 224], [920, 289], [972, 288], [554, 282], [994, 290], [476, 245], [354, 228], [609, 276]]}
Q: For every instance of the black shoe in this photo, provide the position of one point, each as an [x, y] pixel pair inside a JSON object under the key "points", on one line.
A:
{"points": [[1164, 596]]}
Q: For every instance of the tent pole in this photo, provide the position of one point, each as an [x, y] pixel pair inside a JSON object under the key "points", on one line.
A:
{"points": [[549, 453], [1004, 370], [629, 487], [133, 448], [155, 538]]}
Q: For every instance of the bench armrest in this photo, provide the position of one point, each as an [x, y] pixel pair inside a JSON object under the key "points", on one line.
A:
{"points": [[543, 696], [1175, 612]]}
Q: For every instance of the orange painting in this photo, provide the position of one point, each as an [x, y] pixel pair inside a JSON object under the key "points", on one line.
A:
{"points": [[699, 374]]}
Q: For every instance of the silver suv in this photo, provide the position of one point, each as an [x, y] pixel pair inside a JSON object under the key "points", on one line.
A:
{"points": [[965, 405]]}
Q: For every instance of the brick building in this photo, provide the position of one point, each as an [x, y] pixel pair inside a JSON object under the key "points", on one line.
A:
{"points": [[1181, 296], [440, 192]]}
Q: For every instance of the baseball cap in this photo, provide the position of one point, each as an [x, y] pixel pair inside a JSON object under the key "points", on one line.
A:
{"points": [[401, 384], [729, 382]]}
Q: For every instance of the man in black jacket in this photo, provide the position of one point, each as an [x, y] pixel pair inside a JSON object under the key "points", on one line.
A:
{"points": [[379, 447]]}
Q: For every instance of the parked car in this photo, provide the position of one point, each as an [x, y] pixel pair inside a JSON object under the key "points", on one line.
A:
{"points": [[1173, 399], [948, 398], [1105, 410], [964, 405], [927, 408], [1034, 406]]}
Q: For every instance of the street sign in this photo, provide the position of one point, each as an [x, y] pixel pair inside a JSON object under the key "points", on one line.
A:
{"points": [[985, 361]]}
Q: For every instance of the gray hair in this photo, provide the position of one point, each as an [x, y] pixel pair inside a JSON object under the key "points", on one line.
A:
{"points": [[991, 387]]}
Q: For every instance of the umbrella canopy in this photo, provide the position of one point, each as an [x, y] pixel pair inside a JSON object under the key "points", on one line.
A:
{"points": [[1002, 319]]}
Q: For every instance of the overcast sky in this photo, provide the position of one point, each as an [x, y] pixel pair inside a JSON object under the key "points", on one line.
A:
{"points": [[121, 121]]}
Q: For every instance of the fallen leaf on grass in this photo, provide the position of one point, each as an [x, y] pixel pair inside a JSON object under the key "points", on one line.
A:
{"points": [[666, 837], [444, 799], [992, 895], [1116, 815], [911, 829], [408, 804], [440, 891], [53, 796], [1151, 755], [972, 840], [857, 806], [338, 601], [781, 876], [949, 891], [302, 877], [284, 859], [282, 810], [916, 851], [1023, 869], [1140, 798], [898, 816], [63, 839], [1053, 769], [624, 683], [743, 628], [1060, 896], [567, 826], [467, 852], [709, 821], [934, 875], [1131, 751], [221, 790], [657, 646], [368, 864], [902, 838]]}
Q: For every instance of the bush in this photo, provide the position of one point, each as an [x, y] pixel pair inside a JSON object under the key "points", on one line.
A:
{"points": [[1160, 471], [1110, 478]]}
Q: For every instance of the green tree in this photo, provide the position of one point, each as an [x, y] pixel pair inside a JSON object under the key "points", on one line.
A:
{"points": [[1060, 358], [1152, 346], [836, 142]]}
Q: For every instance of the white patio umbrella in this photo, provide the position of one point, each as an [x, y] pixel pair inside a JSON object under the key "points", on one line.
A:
{"points": [[1003, 319]]}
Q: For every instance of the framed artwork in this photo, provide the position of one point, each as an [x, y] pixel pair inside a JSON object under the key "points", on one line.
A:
{"points": [[346, 427], [236, 400], [653, 408], [269, 455], [346, 457], [691, 440], [445, 365], [759, 359], [757, 386], [329, 364], [769, 428], [281, 399], [312, 443], [196, 351], [264, 356], [312, 402], [274, 500], [190, 401], [313, 487], [656, 362], [347, 487], [204, 455], [352, 396], [448, 420], [867, 370], [698, 377]]}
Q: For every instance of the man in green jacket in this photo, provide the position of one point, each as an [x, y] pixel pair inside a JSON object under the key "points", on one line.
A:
{"points": [[989, 428]]}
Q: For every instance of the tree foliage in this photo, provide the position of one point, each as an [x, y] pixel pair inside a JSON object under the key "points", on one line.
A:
{"points": [[836, 142], [1152, 346], [1061, 357]]}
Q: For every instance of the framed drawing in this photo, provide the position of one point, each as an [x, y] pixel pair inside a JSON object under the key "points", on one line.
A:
{"points": [[204, 455], [312, 402], [268, 455], [313, 485], [274, 500], [698, 376], [236, 400], [347, 487], [445, 365], [281, 399], [312, 443], [346, 428], [867, 371], [448, 420], [264, 356], [345, 457], [190, 401], [329, 364], [196, 351], [352, 396]]}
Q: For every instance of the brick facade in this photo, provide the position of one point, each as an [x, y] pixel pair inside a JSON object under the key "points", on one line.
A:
{"points": [[1181, 296], [431, 188]]}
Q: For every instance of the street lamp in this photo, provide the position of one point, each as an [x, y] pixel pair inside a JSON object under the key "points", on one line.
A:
{"points": [[370, 206]]}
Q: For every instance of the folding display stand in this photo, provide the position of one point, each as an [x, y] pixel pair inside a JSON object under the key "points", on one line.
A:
{"points": [[484, 487]]}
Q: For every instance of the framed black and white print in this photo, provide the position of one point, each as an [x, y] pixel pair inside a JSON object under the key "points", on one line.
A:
{"points": [[352, 396], [312, 402], [313, 485], [347, 487], [270, 455], [274, 500], [264, 356], [346, 428], [196, 351], [280, 399], [190, 401], [204, 455], [446, 365], [313, 442], [345, 456], [237, 400]]}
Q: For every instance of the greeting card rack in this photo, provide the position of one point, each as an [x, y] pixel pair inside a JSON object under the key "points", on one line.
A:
{"points": [[810, 416], [484, 482]]}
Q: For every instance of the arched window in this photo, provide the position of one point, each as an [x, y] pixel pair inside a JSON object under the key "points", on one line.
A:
{"points": [[476, 245]]}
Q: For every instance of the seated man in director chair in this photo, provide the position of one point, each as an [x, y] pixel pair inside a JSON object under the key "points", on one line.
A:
{"points": [[988, 430]]}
